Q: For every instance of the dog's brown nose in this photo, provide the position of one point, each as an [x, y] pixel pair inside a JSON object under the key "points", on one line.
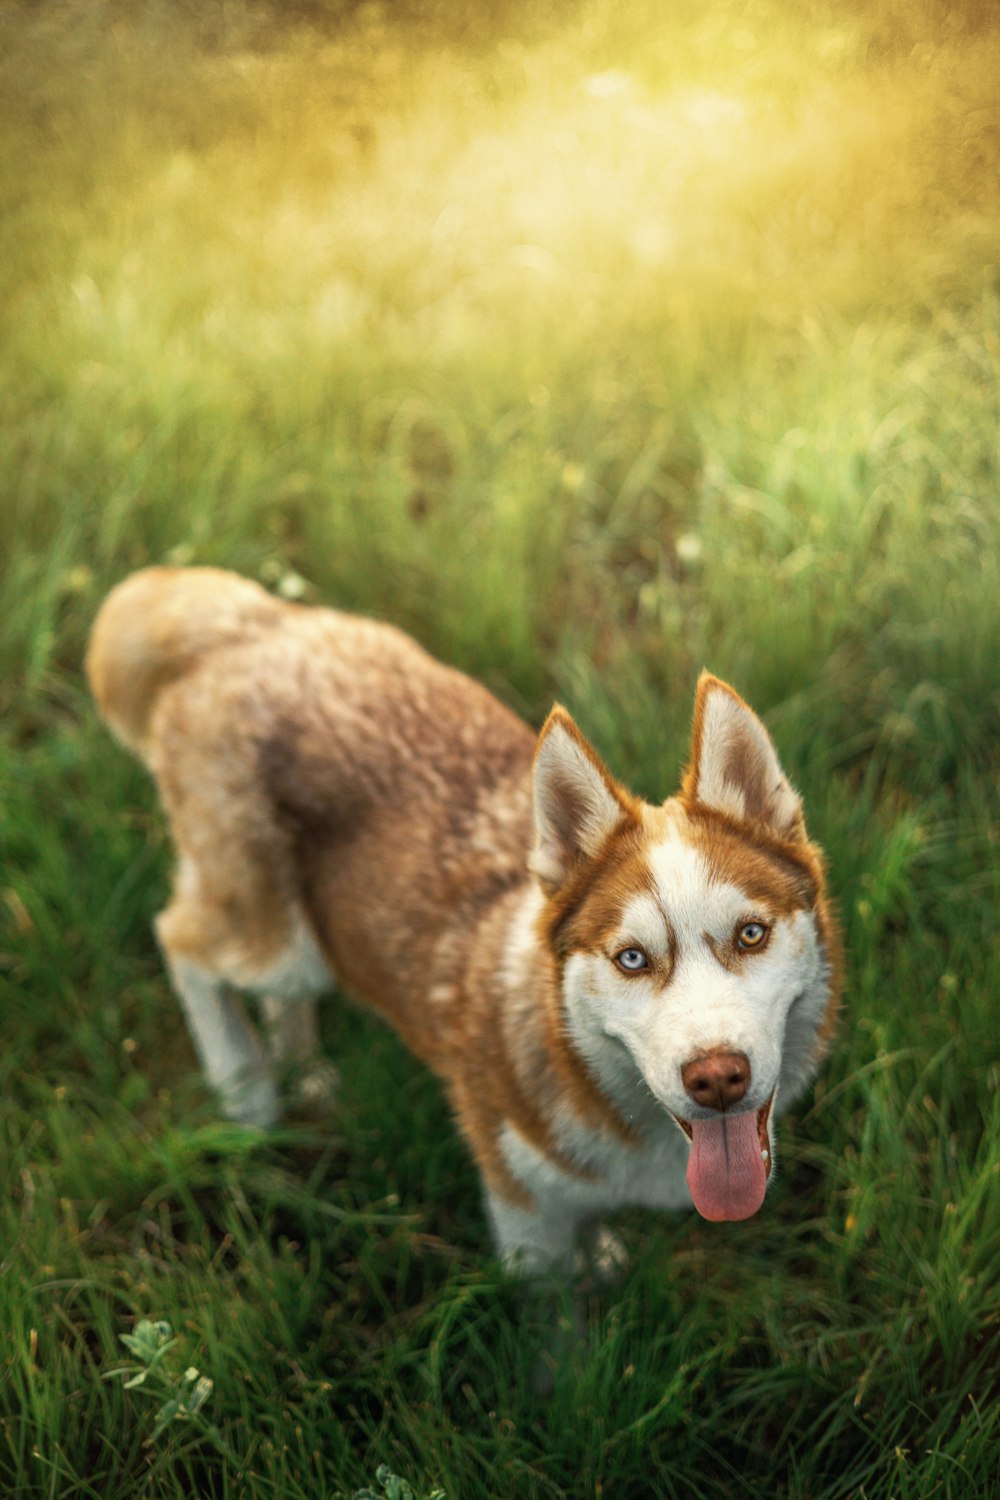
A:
{"points": [[717, 1079]]}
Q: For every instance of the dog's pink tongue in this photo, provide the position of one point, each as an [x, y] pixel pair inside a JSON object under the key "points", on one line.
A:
{"points": [[726, 1173]]}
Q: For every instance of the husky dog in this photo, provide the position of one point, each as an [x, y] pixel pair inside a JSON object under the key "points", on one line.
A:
{"points": [[618, 997]]}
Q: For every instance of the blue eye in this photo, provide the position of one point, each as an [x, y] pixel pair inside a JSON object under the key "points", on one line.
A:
{"points": [[632, 960]]}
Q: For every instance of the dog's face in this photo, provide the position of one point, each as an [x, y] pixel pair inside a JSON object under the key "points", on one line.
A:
{"points": [[693, 940]]}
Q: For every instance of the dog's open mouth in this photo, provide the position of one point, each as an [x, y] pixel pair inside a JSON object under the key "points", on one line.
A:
{"points": [[730, 1162]]}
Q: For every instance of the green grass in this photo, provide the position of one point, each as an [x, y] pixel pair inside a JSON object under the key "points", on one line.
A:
{"points": [[592, 344]]}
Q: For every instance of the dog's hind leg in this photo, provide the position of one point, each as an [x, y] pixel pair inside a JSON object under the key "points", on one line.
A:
{"points": [[235, 922], [288, 990], [228, 1046], [292, 1030], [210, 944], [293, 1043], [201, 938]]}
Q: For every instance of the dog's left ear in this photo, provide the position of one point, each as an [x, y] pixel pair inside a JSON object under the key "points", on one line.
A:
{"points": [[577, 802], [734, 766]]}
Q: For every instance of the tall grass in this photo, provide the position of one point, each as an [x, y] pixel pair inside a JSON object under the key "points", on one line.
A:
{"points": [[593, 346]]}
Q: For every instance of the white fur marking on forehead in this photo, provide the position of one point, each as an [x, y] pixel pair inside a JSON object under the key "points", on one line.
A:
{"points": [[695, 901]]}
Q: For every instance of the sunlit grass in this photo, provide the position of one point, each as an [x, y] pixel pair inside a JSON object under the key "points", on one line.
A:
{"points": [[368, 283], [594, 344]]}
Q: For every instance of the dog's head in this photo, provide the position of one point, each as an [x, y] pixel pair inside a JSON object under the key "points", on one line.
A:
{"points": [[697, 952]]}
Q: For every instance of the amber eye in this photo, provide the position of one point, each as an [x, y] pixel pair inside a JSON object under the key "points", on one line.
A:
{"points": [[752, 935], [632, 960]]}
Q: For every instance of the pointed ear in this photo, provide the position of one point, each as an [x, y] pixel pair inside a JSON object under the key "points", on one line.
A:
{"points": [[577, 803], [734, 766]]}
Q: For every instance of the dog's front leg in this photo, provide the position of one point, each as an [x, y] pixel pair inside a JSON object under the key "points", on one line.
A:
{"points": [[533, 1241]]}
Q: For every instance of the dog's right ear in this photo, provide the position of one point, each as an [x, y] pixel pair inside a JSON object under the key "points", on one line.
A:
{"points": [[577, 802]]}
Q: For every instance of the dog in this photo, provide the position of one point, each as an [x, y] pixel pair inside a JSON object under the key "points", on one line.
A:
{"points": [[618, 997]]}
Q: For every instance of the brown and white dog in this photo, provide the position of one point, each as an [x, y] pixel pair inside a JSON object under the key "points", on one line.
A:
{"points": [[618, 997]]}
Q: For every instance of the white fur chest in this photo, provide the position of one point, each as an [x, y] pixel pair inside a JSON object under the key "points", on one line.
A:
{"points": [[650, 1174]]}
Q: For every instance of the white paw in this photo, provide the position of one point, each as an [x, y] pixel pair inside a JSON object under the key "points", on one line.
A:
{"points": [[252, 1101], [315, 1087], [606, 1256]]}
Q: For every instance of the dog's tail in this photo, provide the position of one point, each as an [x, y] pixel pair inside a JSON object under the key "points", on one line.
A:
{"points": [[155, 627]]}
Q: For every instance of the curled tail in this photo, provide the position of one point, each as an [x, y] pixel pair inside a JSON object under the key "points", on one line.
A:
{"points": [[156, 626]]}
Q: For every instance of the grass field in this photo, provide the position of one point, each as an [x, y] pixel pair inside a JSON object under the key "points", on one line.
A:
{"points": [[593, 344]]}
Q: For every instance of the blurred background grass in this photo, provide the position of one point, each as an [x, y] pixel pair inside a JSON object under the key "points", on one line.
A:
{"points": [[593, 346]]}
